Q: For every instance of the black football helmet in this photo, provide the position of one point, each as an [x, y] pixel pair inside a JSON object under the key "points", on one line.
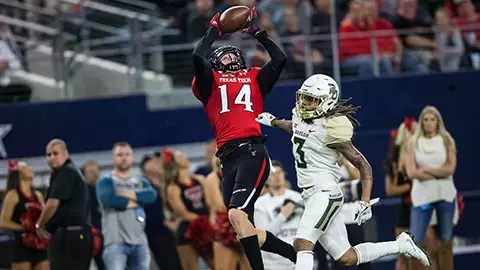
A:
{"points": [[217, 54]]}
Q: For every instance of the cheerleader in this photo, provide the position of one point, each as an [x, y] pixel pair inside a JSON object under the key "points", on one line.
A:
{"points": [[227, 252], [21, 208], [185, 197]]}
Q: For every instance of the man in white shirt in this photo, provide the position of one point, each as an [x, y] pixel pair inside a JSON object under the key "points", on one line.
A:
{"points": [[278, 211]]}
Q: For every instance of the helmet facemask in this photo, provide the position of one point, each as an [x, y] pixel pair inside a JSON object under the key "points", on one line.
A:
{"points": [[218, 57], [309, 106]]}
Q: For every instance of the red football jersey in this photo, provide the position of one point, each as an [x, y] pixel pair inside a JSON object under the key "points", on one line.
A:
{"points": [[236, 100]]}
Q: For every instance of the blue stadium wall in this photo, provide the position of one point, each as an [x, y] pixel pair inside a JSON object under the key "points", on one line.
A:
{"points": [[93, 125]]}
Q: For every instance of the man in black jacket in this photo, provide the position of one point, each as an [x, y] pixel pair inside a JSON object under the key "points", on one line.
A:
{"points": [[65, 219]]}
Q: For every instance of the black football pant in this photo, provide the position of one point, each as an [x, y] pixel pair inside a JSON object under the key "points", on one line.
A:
{"points": [[245, 171], [71, 248]]}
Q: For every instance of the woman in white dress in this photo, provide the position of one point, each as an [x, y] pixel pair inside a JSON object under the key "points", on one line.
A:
{"points": [[431, 162]]}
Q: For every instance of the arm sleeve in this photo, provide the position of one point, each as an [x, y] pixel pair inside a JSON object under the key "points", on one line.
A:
{"points": [[203, 80], [62, 187], [147, 194], [339, 130], [107, 195], [268, 75], [263, 222]]}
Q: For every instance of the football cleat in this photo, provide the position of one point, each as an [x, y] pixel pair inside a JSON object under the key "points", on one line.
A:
{"points": [[409, 248]]}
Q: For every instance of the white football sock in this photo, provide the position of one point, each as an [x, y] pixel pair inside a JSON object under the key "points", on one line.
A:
{"points": [[367, 252], [304, 260]]}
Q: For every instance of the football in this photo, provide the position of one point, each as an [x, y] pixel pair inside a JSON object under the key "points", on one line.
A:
{"points": [[233, 19]]}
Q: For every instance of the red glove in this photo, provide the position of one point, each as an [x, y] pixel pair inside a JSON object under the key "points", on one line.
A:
{"points": [[215, 22], [253, 24]]}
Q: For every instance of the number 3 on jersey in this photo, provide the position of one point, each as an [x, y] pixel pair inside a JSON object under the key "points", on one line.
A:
{"points": [[299, 142], [243, 97]]}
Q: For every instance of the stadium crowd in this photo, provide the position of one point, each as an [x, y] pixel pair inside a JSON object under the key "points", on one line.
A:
{"points": [[401, 36]]}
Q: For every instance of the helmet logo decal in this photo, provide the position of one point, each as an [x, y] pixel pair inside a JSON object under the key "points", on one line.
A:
{"points": [[333, 91]]}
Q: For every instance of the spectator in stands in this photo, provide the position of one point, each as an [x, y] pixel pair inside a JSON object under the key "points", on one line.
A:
{"points": [[420, 44], [356, 52], [91, 173], [299, 8], [391, 45], [248, 3], [210, 150], [268, 6], [320, 23], [122, 197], [160, 238], [278, 211], [449, 40], [186, 197], [20, 193], [387, 9], [197, 19], [296, 46], [267, 24], [431, 161], [468, 20], [9, 61], [258, 56], [320, 20]]}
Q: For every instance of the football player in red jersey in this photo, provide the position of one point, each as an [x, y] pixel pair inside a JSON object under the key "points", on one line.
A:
{"points": [[233, 95]]}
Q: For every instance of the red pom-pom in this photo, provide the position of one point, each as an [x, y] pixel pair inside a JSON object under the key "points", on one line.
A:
{"points": [[31, 240], [31, 216], [97, 241], [225, 233], [28, 220], [201, 234]]}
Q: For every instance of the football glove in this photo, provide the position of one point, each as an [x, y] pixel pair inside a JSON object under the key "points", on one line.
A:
{"points": [[252, 26], [364, 211], [215, 22], [266, 119]]}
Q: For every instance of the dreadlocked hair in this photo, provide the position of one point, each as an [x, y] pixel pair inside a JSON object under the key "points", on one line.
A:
{"points": [[344, 109], [341, 109]]}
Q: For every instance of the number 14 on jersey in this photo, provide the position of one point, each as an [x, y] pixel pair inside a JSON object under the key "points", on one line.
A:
{"points": [[243, 98]]}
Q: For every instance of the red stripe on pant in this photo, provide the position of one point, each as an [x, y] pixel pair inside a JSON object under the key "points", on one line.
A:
{"points": [[260, 175]]}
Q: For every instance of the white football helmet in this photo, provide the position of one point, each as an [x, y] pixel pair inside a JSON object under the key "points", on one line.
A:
{"points": [[317, 89]]}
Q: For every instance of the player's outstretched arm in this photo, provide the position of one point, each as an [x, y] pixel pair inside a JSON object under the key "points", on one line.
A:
{"points": [[360, 162], [203, 70], [283, 124], [268, 119], [269, 74]]}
